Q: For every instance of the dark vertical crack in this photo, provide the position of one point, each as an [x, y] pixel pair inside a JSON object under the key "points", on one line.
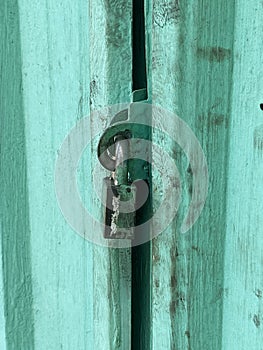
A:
{"points": [[141, 255]]}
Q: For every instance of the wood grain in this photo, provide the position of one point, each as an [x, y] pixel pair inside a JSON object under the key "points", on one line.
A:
{"points": [[110, 59], [62, 61], [243, 283], [53, 79], [16, 259], [192, 76]]}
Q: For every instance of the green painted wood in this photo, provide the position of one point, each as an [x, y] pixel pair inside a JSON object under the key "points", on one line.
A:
{"points": [[192, 76], [111, 83], [62, 61], [242, 312], [2, 303], [59, 77], [53, 76], [15, 228]]}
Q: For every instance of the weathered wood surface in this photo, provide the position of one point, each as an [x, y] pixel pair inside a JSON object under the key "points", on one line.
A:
{"points": [[110, 59], [207, 67], [59, 61], [15, 236], [243, 269], [2, 308], [44, 87]]}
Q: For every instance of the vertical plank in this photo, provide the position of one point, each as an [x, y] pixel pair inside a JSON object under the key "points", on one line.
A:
{"points": [[16, 259], [2, 303], [242, 327], [192, 76], [111, 78], [165, 59], [55, 83]]}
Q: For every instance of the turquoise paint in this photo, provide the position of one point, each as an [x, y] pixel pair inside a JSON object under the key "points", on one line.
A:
{"points": [[55, 70], [192, 76], [110, 62], [243, 281], [15, 229], [2, 304], [204, 62]]}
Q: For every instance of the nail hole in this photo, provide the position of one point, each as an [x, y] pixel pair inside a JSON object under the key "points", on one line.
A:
{"points": [[261, 106], [128, 189]]}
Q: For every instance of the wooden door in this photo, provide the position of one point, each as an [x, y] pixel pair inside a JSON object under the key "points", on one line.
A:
{"points": [[61, 62]]}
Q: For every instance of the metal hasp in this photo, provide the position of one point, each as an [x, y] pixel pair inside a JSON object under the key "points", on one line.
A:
{"points": [[122, 149]]}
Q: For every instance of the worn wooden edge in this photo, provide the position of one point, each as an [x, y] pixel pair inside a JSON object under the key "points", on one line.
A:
{"points": [[15, 230], [243, 284], [111, 83]]}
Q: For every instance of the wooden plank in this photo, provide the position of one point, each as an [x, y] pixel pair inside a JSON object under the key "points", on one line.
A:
{"points": [[242, 326], [15, 231], [2, 304], [192, 76], [56, 93], [111, 79], [55, 72]]}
